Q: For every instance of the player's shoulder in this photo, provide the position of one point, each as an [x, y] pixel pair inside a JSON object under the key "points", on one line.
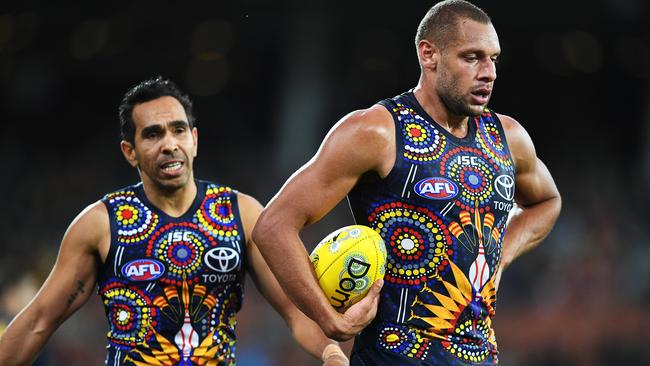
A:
{"points": [[373, 125], [521, 145], [94, 213], [509, 123], [248, 202], [376, 117], [90, 227]]}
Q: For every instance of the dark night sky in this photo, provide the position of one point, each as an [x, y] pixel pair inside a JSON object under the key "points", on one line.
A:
{"points": [[270, 78]]}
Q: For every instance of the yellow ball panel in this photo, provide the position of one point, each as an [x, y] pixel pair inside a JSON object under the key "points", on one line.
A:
{"points": [[347, 262]]}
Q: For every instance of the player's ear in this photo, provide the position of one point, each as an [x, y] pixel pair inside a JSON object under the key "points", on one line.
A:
{"points": [[129, 152], [195, 134], [428, 54]]}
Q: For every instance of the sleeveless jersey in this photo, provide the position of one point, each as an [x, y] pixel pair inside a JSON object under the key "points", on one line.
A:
{"points": [[442, 212], [171, 286]]}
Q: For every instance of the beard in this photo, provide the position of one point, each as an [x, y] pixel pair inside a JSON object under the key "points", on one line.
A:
{"points": [[454, 100]]}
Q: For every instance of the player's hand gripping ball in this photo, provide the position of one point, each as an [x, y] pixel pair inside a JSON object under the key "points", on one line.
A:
{"points": [[347, 262]]}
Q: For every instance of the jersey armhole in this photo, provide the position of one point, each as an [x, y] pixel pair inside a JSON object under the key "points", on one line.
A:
{"points": [[110, 256], [237, 215], [399, 139]]}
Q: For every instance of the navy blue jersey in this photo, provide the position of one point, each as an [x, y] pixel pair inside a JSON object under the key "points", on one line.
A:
{"points": [[442, 213], [171, 286]]}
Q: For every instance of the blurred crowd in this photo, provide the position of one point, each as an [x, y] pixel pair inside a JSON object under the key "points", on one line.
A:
{"points": [[269, 80]]}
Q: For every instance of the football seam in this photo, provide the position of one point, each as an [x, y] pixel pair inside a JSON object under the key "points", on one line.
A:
{"points": [[339, 256]]}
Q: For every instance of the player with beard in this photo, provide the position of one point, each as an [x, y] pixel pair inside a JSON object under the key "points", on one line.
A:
{"points": [[168, 255], [434, 172]]}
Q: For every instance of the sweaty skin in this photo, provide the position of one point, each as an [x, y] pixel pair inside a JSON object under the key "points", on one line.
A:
{"points": [[164, 149], [456, 82]]}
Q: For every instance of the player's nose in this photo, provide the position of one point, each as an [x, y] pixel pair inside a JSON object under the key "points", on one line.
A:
{"points": [[488, 71]]}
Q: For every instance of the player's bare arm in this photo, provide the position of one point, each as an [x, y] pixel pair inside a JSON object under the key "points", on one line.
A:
{"points": [[307, 333], [537, 198], [67, 288], [361, 142]]}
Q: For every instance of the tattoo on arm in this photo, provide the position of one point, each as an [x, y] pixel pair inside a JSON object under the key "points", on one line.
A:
{"points": [[79, 290]]}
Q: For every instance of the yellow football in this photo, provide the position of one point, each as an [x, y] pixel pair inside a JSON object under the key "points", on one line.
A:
{"points": [[347, 262]]}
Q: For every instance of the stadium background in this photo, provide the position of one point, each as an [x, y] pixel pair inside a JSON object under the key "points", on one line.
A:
{"points": [[270, 78]]}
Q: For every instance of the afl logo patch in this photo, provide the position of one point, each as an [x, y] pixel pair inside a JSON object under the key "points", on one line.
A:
{"points": [[436, 188], [222, 259], [143, 270]]}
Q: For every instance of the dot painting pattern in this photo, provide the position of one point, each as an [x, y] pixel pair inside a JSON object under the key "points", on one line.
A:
{"points": [[475, 171], [158, 285], [134, 220], [130, 314], [429, 308], [422, 143], [417, 241]]}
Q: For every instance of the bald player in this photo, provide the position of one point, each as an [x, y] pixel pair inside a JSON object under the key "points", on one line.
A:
{"points": [[437, 174]]}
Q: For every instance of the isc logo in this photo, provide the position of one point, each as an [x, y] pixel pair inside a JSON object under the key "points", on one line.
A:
{"points": [[143, 270], [436, 188], [356, 270], [176, 236]]}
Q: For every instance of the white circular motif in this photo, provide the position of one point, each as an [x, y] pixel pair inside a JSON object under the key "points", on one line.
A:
{"points": [[122, 316], [407, 244]]}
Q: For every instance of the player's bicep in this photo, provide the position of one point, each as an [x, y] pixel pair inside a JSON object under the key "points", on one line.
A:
{"points": [[74, 274], [535, 185], [533, 181], [361, 142], [256, 266], [314, 191]]}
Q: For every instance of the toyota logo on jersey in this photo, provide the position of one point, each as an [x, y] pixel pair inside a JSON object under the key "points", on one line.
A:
{"points": [[222, 259], [505, 186], [436, 188]]}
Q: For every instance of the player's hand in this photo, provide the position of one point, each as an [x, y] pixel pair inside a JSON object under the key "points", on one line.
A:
{"points": [[358, 316], [333, 355]]}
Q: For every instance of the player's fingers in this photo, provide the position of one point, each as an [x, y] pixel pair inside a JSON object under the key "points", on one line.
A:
{"points": [[369, 302]]}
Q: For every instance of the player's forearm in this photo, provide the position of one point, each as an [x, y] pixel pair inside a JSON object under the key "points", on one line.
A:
{"points": [[23, 339], [287, 258], [309, 335], [527, 227]]}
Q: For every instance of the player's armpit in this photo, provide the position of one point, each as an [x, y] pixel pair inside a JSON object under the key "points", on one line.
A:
{"points": [[68, 286]]}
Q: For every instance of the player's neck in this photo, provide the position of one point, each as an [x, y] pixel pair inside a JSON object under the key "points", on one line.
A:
{"points": [[172, 202], [431, 102]]}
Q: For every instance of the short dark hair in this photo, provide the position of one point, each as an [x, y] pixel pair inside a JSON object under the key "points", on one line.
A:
{"points": [[439, 25], [145, 91]]}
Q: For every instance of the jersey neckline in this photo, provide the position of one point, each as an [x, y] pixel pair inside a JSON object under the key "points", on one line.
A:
{"points": [[198, 199], [471, 127]]}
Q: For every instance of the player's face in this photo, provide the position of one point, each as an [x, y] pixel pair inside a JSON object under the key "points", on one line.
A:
{"points": [[165, 145], [467, 68]]}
